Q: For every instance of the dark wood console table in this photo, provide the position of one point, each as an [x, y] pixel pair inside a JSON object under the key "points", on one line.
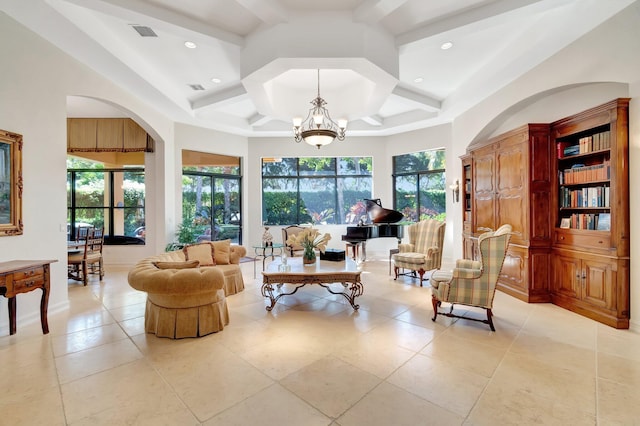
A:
{"points": [[22, 276]]}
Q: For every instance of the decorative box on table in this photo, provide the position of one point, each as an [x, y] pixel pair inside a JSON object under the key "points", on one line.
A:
{"points": [[333, 255]]}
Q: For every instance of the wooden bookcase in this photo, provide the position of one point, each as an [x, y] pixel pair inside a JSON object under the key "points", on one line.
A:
{"points": [[590, 250]]}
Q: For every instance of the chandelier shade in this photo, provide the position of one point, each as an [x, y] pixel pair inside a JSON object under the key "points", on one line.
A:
{"points": [[318, 128]]}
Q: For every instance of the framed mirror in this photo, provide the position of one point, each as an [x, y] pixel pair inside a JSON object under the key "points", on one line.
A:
{"points": [[10, 183]]}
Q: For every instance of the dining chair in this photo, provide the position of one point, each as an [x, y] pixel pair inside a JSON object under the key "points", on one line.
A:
{"points": [[89, 259]]}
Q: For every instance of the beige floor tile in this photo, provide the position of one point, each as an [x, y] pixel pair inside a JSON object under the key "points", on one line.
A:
{"points": [[505, 406], [526, 374], [421, 315], [475, 357], [129, 394], [40, 408], [209, 378], [390, 405], [618, 403], [129, 311], [381, 306], [402, 334], [274, 406], [622, 343], [330, 385], [86, 339], [556, 354], [373, 356], [284, 355], [133, 326], [23, 379], [80, 364], [618, 369], [449, 387], [66, 322]]}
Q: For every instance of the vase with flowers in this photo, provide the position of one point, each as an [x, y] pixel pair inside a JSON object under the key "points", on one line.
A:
{"points": [[310, 239]]}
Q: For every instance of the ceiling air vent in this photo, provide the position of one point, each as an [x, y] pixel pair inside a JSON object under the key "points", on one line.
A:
{"points": [[144, 31], [197, 86]]}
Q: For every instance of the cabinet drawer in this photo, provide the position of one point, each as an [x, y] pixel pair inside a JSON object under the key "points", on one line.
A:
{"points": [[28, 273], [28, 284], [588, 239]]}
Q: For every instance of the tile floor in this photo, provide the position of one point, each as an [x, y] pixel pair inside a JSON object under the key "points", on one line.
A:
{"points": [[314, 361]]}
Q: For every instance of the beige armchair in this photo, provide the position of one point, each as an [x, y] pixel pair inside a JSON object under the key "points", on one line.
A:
{"points": [[472, 282], [424, 251], [291, 250]]}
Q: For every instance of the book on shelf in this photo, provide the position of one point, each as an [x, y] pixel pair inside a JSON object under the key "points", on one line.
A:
{"points": [[589, 221], [579, 173], [604, 222]]}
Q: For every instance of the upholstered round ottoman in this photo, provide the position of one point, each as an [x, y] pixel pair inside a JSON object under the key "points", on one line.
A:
{"points": [[188, 302]]}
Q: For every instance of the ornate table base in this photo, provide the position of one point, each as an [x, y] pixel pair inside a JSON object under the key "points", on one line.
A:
{"points": [[322, 273]]}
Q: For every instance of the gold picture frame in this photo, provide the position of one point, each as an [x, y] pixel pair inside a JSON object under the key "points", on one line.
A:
{"points": [[10, 184]]}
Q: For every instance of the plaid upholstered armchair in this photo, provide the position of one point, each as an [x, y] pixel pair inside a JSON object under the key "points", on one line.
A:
{"points": [[424, 251], [472, 282]]}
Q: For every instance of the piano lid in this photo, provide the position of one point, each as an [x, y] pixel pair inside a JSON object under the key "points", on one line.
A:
{"points": [[378, 214]]}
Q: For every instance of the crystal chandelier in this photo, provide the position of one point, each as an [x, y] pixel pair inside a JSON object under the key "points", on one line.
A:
{"points": [[318, 128]]}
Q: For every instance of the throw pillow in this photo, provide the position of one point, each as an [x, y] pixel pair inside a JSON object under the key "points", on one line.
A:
{"points": [[202, 252], [176, 265], [221, 250]]}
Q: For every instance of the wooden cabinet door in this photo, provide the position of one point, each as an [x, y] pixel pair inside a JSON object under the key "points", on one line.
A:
{"points": [[567, 275], [512, 201], [597, 282], [484, 191]]}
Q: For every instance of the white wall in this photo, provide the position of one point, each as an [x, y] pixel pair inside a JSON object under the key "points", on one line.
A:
{"points": [[34, 83]]}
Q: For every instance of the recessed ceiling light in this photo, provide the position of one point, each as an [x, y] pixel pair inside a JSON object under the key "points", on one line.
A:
{"points": [[190, 44], [446, 45], [418, 80], [216, 80]]}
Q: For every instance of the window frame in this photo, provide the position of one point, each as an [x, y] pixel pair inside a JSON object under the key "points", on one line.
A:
{"points": [[419, 175]]}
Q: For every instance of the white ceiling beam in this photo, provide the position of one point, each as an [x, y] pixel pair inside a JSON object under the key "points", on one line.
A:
{"points": [[268, 11], [374, 120], [372, 11], [424, 101], [462, 19], [257, 120], [124, 9], [221, 98]]}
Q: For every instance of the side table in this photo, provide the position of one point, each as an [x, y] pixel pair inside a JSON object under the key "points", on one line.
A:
{"points": [[264, 252], [22, 276]]}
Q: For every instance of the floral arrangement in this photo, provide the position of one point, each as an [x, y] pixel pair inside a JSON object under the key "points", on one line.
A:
{"points": [[309, 239]]}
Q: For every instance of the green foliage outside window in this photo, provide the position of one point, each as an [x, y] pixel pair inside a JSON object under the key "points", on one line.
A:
{"points": [[314, 189]]}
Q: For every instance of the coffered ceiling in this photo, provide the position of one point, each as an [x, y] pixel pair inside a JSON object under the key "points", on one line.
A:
{"points": [[255, 63]]}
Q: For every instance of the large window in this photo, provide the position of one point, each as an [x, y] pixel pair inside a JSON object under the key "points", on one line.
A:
{"points": [[419, 185], [109, 198], [211, 198], [315, 189]]}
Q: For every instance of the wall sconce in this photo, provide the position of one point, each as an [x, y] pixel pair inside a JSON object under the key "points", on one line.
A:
{"points": [[455, 188]]}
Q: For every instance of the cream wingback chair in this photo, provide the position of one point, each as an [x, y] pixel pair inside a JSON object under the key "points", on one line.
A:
{"points": [[291, 250], [473, 282], [424, 251]]}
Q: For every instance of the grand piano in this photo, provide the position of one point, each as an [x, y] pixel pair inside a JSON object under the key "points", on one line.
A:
{"points": [[379, 222]]}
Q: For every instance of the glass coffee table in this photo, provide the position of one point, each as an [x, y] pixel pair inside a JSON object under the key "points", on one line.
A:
{"points": [[323, 273], [264, 252]]}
